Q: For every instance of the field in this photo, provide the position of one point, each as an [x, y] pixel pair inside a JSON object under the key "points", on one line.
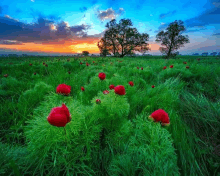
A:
{"points": [[114, 136]]}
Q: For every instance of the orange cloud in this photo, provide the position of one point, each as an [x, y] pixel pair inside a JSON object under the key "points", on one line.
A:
{"points": [[154, 47]]}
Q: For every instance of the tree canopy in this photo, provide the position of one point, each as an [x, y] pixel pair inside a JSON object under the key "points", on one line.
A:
{"points": [[172, 38], [121, 39], [85, 53]]}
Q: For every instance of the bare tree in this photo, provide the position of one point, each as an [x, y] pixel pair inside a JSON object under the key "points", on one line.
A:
{"points": [[172, 38]]}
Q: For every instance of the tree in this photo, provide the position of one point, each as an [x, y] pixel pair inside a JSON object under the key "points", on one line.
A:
{"points": [[121, 39], [172, 38], [85, 53], [102, 44]]}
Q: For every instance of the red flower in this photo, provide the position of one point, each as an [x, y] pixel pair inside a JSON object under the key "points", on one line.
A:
{"points": [[105, 92], [69, 72], [93, 61], [82, 88], [102, 76], [142, 68], [164, 67], [80, 63], [137, 67], [59, 116], [98, 101], [34, 73], [46, 65], [160, 116], [111, 87], [64, 89], [198, 59], [131, 83], [185, 62], [120, 90], [187, 67], [171, 66], [30, 64], [87, 64], [152, 86], [6, 75], [43, 63]]}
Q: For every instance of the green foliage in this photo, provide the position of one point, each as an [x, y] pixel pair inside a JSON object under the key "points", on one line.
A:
{"points": [[148, 151]]}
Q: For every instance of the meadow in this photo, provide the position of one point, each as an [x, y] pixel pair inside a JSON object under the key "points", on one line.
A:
{"points": [[114, 136]]}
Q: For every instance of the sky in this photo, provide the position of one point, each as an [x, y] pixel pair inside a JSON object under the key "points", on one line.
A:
{"points": [[70, 27]]}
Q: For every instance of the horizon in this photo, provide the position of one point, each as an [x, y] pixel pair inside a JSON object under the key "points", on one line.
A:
{"points": [[68, 28]]}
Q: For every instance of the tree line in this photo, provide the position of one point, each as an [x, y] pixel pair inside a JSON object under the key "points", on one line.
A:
{"points": [[122, 39]]}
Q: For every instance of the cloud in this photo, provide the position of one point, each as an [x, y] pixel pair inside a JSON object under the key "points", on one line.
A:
{"points": [[10, 42], [83, 9], [42, 31], [164, 15], [217, 34], [210, 16], [109, 14], [32, 1]]}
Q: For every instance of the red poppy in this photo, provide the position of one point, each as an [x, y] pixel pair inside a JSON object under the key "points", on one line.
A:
{"points": [[187, 67], [80, 63], [120, 90], [152, 86], [59, 116], [198, 59], [43, 63], [111, 87], [63, 89], [46, 65], [171, 66], [131, 83], [30, 64], [82, 88], [6, 75], [69, 72], [102, 76], [87, 64], [93, 61], [185, 62], [137, 67], [164, 67], [34, 73], [98, 101], [105, 92], [142, 68], [160, 116]]}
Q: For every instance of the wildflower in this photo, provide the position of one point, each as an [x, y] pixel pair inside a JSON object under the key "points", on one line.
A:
{"points": [[111, 87], [187, 67], [6, 75], [43, 63], [141, 68], [131, 83], [63, 89], [93, 61], [120, 90], [87, 64], [185, 62], [80, 63], [30, 64], [46, 65], [160, 116], [98, 101], [152, 86], [82, 88], [137, 67], [69, 72], [34, 73], [102, 76], [59, 116], [164, 67], [105, 92], [171, 66]]}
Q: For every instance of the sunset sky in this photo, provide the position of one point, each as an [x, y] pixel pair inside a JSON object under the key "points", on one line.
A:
{"points": [[69, 27]]}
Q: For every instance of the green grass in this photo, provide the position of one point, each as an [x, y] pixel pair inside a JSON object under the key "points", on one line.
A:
{"points": [[114, 137]]}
